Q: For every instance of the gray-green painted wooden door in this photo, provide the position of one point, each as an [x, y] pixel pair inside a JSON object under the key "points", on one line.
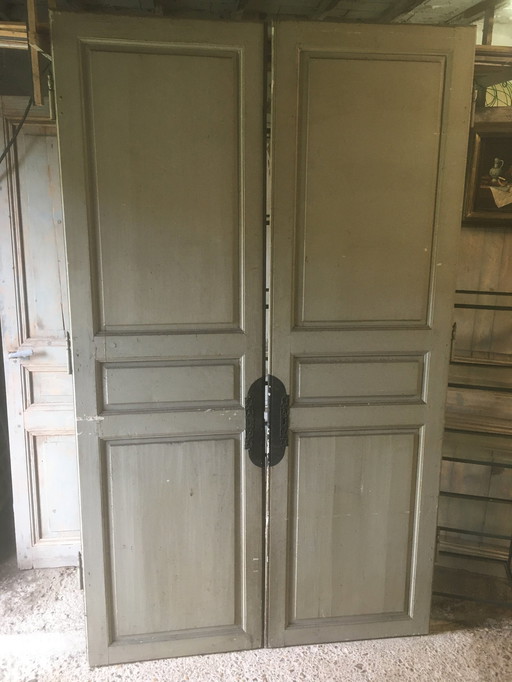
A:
{"points": [[162, 167], [369, 138], [161, 129]]}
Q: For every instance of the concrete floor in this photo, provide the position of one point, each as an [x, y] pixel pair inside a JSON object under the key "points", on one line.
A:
{"points": [[42, 639]]}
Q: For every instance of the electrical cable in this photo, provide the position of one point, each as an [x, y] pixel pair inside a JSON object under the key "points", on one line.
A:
{"points": [[23, 119], [17, 130]]}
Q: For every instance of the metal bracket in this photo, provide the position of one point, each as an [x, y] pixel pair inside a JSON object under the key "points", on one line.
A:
{"points": [[452, 342], [69, 353], [80, 571]]}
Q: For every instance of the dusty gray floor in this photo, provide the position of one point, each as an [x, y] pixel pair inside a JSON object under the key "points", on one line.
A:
{"points": [[42, 639]]}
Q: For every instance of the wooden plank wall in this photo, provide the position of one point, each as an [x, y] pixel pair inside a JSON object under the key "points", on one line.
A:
{"points": [[485, 261], [483, 345], [476, 480]]}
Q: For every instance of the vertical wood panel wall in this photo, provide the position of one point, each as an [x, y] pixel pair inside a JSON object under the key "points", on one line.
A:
{"points": [[476, 479]]}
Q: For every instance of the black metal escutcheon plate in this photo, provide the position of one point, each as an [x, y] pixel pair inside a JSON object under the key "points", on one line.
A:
{"points": [[279, 418], [255, 422]]}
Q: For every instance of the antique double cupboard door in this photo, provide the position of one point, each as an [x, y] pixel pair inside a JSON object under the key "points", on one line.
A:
{"points": [[188, 546]]}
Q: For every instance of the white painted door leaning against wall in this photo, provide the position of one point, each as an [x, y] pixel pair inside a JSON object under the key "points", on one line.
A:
{"points": [[35, 325]]}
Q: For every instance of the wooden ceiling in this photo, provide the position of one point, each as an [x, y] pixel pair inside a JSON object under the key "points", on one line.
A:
{"points": [[368, 11], [22, 29]]}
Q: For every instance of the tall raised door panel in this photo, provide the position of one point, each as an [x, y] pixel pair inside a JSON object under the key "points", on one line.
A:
{"points": [[161, 125]]}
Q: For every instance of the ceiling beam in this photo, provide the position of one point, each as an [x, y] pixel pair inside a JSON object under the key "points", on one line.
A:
{"points": [[13, 34], [497, 76], [324, 8], [470, 14], [34, 53], [488, 23], [247, 7], [475, 12], [241, 6], [38, 43], [493, 64], [398, 9]]}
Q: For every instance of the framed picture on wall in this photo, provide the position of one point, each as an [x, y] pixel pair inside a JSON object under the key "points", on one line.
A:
{"points": [[489, 178]]}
